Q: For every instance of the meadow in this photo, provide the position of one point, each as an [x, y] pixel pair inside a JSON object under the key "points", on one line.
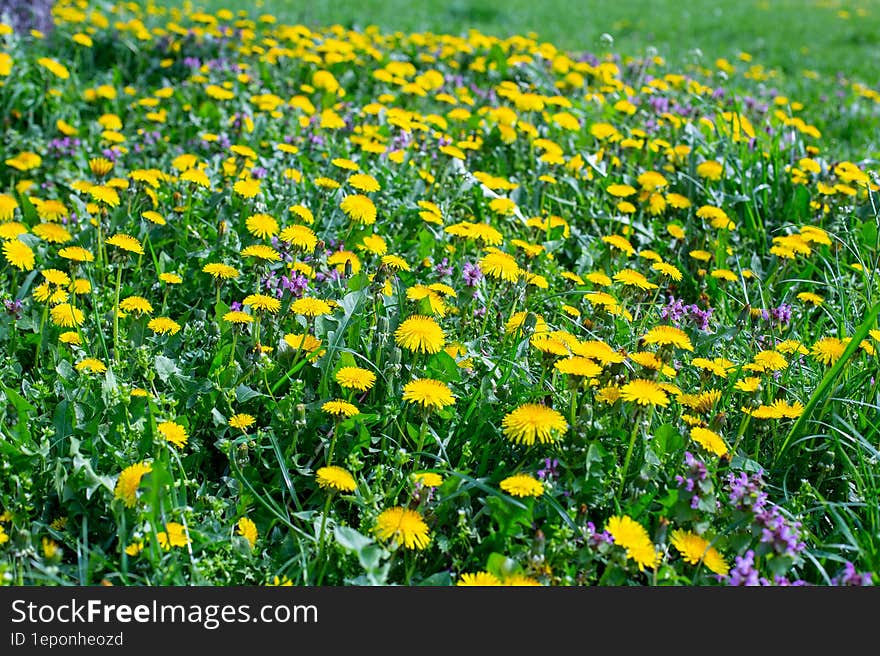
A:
{"points": [[295, 298]]}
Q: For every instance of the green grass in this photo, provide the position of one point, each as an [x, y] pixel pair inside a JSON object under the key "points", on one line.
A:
{"points": [[788, 34]]}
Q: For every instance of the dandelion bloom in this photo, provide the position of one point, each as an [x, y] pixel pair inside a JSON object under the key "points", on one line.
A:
{"points": [[478, 579], [533, 422], [621, 190], [19, 254], [667, 269], [695, 548], [577, 365], [668, 335], [173, 433], [262, 302], [261, 252], [238, 317], [76, 254], [709, 440], [522, 485], [633, 278], [828, 350], [174, 535], [355, 378], [428, 392], [220, 270], [248, 530], [644, 392], [247, 188], [310, 307], [128, 482], [364, 182], [335, 478], [428, 479], [619, 243], [91, 365], [163, 326], [768, 361], [420, 334], [66, 315], [403, 527], [632, 536], [262, 225], [304, 342], [241, 420], [500, 265], [300, 236], [136, 304], [359, 208], [340, 408], [126, 243]]}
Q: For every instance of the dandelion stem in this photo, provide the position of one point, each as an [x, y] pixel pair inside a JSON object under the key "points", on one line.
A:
{"points": [[629, 451], [322, 539], [40, 340], [116, 313]]}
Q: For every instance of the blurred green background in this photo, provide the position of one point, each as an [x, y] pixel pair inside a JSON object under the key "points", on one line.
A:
{"points": [[826, 36]]}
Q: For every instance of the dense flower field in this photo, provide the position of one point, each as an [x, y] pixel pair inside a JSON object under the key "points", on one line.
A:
{"points": [[299, 306]]}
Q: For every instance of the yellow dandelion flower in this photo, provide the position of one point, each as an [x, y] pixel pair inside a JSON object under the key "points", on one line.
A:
{"points": [[91, 365], [359, 208], [18, 254], [174, 535], [644, 392], [129, 481], [262, 225], [300, 236], [76, 254], [126, 243], [709, 440], [173, 433], [66, 315], [695, 549], [828, 350], [335, 478], [310, 307], [478, 579], [668, 335], [633, 278], [163, 326], [247, 188], [500, 265], [364, 182], [578, 365], [238, 317], [242, 421], [220, 271], [533, 422], [262, 302], [428, 393], [340, 408], [136, 304], [522, 485], [619, 243], [421, 334], [355, 378], [261, 252], [402, 527], [248, 530]]}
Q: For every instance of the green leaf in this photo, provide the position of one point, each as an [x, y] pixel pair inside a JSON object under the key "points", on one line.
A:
{"points": [[243, 393], [165, 368], [442, 366]]}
